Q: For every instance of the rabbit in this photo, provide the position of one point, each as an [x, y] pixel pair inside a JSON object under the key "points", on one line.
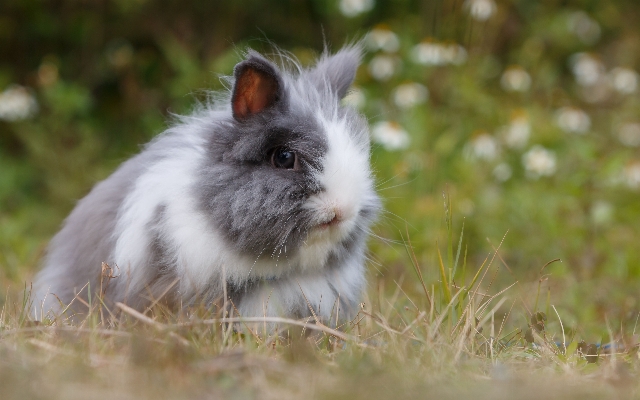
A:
{"points": [[262, 197]]}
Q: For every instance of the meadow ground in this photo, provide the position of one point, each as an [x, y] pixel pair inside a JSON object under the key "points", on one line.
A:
{"points": [[454, 340]]}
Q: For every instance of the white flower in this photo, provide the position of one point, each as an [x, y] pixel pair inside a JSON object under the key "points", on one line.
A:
{"points": [[629, 134], [454, 54], [17, 103], [631, 175], [408, 95], [483, 147], [390, 135], [352, 8], [573, 120], [502, 172], [601, 212], [517, 133], [383, 67], [383, 39], [590, 73], [585, 28], [624, 80], [539, 162], [480, 10], [355, 98], [587, 69], [515, 79], [429, 52]]}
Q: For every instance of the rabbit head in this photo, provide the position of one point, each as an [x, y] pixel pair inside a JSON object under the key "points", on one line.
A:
{"points": [[288, 176]]}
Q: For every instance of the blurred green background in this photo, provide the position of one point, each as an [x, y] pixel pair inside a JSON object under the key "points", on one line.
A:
{"points": [[525, 114]]}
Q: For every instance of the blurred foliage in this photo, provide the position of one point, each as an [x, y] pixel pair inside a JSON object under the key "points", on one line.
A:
{"points": [[525, 115]]}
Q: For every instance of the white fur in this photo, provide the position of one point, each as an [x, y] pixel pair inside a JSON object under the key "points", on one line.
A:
{"points": [[347, 181], [138, 209], [283, 296]]}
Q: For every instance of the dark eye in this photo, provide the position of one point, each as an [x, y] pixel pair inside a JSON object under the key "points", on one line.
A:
{"points": [[283, 158]]}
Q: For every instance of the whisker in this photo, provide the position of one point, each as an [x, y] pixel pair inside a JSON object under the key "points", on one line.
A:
{"points": [[395, 186], [256, 261], [377, 185], [386, 213]]}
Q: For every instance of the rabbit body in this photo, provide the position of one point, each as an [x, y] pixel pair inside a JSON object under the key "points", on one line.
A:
{"points": [[263, 197]]}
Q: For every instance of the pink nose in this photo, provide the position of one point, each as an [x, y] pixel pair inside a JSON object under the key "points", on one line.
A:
{"points": [[337, 217]]}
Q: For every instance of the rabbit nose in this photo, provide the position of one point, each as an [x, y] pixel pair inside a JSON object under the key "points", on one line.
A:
{"points": [[334, 216], [338, 214], [331, 221]]}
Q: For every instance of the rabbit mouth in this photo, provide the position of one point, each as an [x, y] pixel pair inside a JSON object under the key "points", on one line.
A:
{"points": [[332, 227], [333, 218]]}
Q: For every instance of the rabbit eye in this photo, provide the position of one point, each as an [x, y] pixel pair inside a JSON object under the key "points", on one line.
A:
{"points": [[283, 158]]}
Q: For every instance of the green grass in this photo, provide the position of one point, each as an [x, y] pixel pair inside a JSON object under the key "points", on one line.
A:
{"points": [[461, 337]]}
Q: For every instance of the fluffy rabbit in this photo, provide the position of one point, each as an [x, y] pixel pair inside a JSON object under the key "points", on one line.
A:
{"points": [[264, 196]]}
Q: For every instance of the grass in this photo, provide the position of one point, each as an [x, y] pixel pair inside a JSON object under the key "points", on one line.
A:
{"points": [[461, 337]]}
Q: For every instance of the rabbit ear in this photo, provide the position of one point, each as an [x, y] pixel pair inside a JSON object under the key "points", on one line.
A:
{"points": [[258, 86], [337, 71]]}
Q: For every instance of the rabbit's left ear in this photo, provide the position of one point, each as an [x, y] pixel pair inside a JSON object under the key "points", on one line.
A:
{"points": [[337, 71], [257, 87]]}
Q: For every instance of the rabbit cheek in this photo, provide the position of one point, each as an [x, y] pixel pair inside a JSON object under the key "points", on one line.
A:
{"points": [[262, 219]]}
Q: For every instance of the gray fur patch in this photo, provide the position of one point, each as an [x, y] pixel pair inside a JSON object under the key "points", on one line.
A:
{"points": [[76, 253], [257, 207], [337, 71]]}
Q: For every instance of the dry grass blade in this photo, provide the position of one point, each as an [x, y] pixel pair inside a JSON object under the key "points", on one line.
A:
{"points": [[443, 275], [143, 318], [50, 348], [564, 339], [276, 320], [415, 321], [140, 316], [435, 326], [416, 266], [493, 310]]}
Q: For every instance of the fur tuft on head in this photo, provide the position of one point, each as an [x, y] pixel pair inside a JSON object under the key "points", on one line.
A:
{"points": [[337, 71]]}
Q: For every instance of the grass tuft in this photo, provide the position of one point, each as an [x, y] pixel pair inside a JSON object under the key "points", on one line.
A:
{"points": [[457, 338]]}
